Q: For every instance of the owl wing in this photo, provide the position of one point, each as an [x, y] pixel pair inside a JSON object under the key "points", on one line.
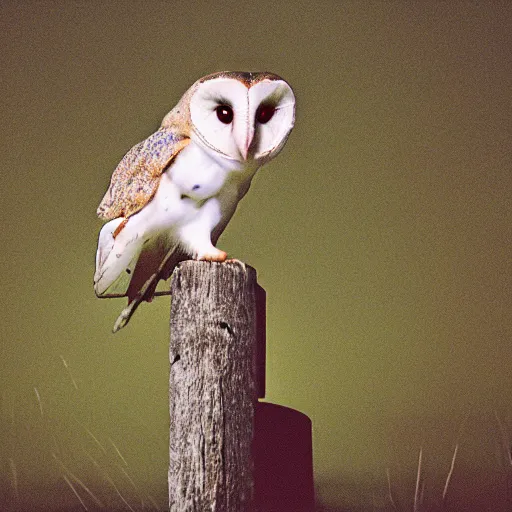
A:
{"points": [[136, 178]]}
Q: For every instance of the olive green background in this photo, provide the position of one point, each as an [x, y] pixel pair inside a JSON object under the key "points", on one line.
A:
{"points": [[381, 235]]}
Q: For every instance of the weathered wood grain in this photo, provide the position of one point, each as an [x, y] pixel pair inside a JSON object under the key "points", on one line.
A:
{"points": [[212, 387]]}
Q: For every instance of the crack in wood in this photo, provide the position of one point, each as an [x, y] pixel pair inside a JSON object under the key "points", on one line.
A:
{"points": [[225, 325]]}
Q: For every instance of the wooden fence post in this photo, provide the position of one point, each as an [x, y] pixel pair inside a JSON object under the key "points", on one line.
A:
{"points": [[213, 390]]}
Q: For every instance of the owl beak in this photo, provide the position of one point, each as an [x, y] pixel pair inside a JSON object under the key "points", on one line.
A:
{"points": [[244, 140]]}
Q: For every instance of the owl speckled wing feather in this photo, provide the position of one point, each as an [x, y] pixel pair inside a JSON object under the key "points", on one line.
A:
{"points": [[136, 178]]}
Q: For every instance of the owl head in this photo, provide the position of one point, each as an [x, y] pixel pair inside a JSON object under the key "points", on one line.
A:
{"points": [[240, 116]]}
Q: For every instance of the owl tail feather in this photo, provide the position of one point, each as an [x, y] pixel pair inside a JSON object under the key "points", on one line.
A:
{"points": [[138, 294]]}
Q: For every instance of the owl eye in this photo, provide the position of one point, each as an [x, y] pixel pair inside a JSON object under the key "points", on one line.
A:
{"points": [[224, 114], [265, 113]]}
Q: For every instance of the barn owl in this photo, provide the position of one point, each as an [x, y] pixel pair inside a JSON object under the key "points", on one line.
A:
{"points": [[173, 194]]}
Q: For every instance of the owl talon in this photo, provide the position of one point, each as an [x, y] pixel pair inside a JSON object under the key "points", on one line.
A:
{"points": [[234, 261], [219, 256]]}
